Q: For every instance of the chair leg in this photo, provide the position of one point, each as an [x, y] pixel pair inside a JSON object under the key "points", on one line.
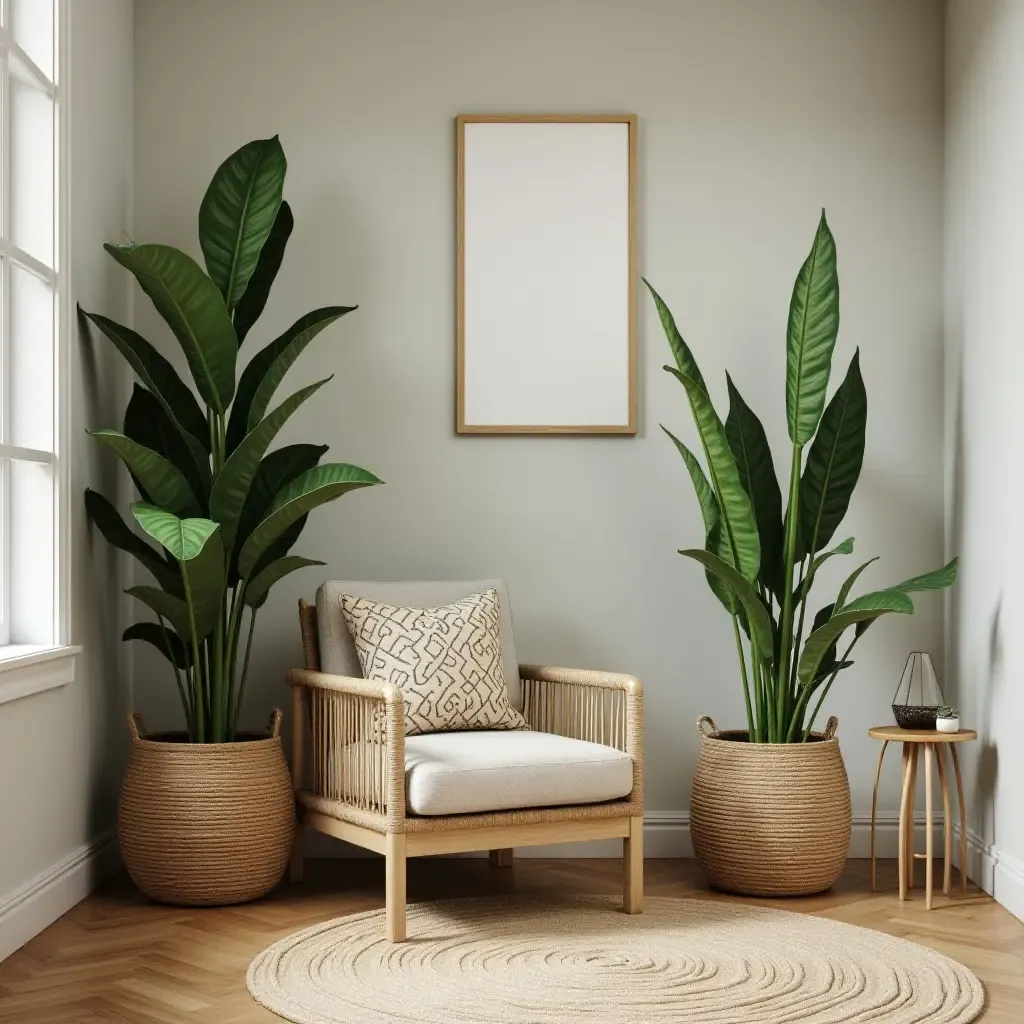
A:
{"points": [[633, 868], [295, 863], [501, 858], [394, 886]]}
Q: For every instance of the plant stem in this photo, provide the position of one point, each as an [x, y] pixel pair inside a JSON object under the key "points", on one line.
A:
{"points": [[824, 692], [742, 672], [245, 668], [786, 623], [186, 705], [200, 710], [804, 590]]}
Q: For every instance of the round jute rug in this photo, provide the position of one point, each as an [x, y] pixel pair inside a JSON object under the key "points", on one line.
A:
{"points": [[522, 960]]}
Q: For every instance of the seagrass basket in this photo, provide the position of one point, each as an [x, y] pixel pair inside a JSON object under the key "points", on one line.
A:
{"points": [[770, 819], [206, 824]]}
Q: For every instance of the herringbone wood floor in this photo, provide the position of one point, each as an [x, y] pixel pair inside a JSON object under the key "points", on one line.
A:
{"points": [[117, 958]]}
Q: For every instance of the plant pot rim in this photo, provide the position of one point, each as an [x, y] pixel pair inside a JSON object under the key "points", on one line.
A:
{"points": [[177, 738], [742, 736], [170, 738]]}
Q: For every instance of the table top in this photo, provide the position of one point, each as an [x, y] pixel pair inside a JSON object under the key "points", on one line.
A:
{"points": [[896, 734]]}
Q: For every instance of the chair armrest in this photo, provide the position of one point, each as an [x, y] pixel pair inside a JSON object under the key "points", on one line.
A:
{"points": [[356, 729], [601, 707]]}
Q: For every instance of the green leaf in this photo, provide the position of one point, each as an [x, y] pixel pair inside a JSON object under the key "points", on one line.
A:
{"points": [[197, 545], [194, 310], [146, 422], [804, 588], [685, 362], [757, 616], [740, 528], [238, 213], [811, 336], [206, 577], [937, 579], [864, 609], [159, 377], [750, 449], [161, 480], [267, 368], [709, 509], [844, 590], [164, 639], [252, 303], [313, 488], [300, 334], [173, 609], [117, 532], [183, 538], [256, 592], [833, 462], [231, 487], [712, 521], [829, 658], [281, 546], [277, 470]]}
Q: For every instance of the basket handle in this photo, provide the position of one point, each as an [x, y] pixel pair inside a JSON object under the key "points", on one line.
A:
{"points": [[830, 728], [274, 725], [136, 726], [706, 720]]}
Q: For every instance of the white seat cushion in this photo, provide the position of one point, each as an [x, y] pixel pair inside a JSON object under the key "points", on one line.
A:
{"points": [[466, 772]]}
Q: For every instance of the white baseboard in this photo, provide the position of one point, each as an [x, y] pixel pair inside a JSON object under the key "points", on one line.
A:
{"points": [[666, 834], [998, 872], [34, 906]]}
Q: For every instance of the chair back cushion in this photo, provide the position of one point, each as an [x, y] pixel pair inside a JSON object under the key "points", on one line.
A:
{"points": [[337, 649]]}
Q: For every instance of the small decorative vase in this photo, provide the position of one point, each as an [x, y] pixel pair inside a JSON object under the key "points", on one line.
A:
{"points": [[918, 698], [770, 819], [947, 724], [206, 824]]}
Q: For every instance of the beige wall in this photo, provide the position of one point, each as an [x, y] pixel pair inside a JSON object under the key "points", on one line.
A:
{"points": [[985, 418], [751, 117], [60, 751]]}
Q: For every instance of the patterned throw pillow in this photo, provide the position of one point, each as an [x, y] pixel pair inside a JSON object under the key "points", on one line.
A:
{"points": [[447, 660]]}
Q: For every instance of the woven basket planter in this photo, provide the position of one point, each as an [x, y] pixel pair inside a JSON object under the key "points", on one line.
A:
{"points": [[770, 819], [205, 824]]}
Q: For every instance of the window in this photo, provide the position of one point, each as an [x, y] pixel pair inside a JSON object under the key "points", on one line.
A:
{"points": [[32, 470]]}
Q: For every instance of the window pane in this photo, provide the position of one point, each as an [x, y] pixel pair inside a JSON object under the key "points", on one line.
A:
{"points": [[31, 553], [30, 361], [32, 28], [32, 170]]}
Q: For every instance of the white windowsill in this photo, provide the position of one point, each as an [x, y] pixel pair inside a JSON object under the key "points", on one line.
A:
{"points": [[26, 669]]}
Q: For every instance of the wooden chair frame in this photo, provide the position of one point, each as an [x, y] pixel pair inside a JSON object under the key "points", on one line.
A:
{"points": [[349, 778]]}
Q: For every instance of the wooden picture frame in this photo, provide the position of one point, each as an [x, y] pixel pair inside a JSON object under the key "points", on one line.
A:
{"points": [[568, 198]]}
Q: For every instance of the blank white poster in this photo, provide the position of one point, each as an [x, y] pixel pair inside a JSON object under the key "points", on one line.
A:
{"points": [[545, 332]]}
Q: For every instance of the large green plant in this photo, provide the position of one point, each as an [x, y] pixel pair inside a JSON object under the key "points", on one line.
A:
{"points": [[760, 564], [223, 511]]}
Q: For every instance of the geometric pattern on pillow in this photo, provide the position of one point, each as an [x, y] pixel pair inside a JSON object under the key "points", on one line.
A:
{"points": [[447, 660]]}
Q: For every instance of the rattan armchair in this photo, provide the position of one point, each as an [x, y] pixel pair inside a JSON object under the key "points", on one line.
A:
{"points": [[348, 771]]}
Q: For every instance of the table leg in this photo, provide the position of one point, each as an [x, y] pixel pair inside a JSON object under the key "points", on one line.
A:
{"points": [[928, 841], [915, 753], [947, 821], [902, 838], [963, 818], [874, 810]]}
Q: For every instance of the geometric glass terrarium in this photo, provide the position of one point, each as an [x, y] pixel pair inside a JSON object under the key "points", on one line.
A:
{"points": [[918, 697]]}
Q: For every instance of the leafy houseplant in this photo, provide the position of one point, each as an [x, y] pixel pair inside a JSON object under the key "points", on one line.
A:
{"points": [[224, 512], [761, 564]]}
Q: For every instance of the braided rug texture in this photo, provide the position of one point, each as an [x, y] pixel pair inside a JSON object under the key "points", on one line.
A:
{"points": [[522, 960]]}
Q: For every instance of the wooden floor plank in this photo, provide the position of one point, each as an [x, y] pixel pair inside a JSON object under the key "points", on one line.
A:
{"points": [[118, 959]]}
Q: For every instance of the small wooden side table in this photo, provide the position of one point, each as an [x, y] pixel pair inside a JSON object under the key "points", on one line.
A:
{"points": [[932, 743]]}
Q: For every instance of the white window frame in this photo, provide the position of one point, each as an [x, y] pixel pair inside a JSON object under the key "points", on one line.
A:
{"points": [[27, 669]]}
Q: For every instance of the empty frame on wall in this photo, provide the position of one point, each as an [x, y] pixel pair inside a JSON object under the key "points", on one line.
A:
{"points": [[546, 275]]}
